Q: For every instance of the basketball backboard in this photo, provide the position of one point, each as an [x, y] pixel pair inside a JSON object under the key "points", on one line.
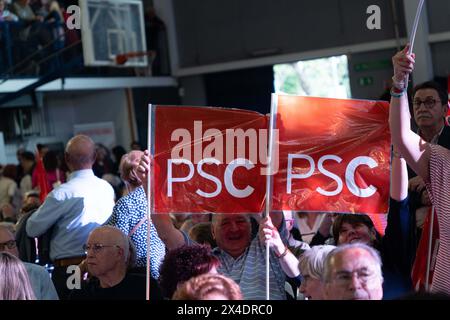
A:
{"points": [[110, 28]]}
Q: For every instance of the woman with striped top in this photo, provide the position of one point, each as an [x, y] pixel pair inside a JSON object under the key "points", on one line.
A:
{"points": [[431, 162]]}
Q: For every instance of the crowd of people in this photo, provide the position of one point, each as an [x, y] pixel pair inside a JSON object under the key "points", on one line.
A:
{"points": [[35, 38], [102, 245], [30, 32]]}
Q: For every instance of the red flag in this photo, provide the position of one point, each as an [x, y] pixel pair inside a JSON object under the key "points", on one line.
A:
{"points": [[334, 156], [41, 177], [341, 147], [419, 270], [197, 155]]}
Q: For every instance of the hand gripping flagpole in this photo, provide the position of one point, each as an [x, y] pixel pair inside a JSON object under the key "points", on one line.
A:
{"points": [[269, 180], [149, 203]]}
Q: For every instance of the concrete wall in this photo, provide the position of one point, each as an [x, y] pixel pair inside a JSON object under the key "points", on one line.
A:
{"points": [[67, 109], [222, 32], [215, 31]]}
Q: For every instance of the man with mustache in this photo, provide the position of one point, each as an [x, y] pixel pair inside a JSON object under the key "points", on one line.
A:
{"points": [[430, 105]]}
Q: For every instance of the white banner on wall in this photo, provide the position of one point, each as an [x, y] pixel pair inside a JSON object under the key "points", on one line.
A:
{"points": [[100, 132]]}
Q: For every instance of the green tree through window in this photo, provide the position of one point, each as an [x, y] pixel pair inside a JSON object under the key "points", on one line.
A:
{"points": [[326, 77]]}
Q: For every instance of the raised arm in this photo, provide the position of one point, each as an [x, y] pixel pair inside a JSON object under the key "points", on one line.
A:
{"points": [[415, 150], [269, 233], [398, 243], [171, 236]]}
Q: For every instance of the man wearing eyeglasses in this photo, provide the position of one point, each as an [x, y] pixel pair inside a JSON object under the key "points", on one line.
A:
{"points": [[353, 272], [40, 279], [429, 107], [72, 211], [430, 104], [107, 259]]}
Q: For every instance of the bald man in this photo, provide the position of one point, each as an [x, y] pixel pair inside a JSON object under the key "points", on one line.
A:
{"points": [[43, 287], [107, 256], [73, 210]]}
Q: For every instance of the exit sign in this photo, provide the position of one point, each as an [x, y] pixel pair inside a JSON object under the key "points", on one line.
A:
{"points": [[365, 81], [373, 65]]}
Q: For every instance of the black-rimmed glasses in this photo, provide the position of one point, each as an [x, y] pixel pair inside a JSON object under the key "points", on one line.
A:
{"points": [[429, 103]]}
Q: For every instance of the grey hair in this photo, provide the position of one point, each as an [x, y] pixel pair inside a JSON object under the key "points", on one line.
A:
{"points": [[330, 257], [215, 217], [122, 240], [312, 261]]}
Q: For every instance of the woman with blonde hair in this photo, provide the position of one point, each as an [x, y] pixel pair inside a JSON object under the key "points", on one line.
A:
{"points": [[130, 216], [14, 281], [208, 287]]}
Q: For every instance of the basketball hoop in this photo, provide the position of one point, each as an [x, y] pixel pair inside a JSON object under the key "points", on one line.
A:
{"points": [[121, 59]]}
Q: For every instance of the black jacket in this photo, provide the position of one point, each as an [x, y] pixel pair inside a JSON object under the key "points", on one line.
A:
{"points": [[26, 245]]}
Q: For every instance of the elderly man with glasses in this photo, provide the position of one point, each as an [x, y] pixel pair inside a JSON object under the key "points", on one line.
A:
{"points": [[43, 287], [353, 272], [107, 259]]}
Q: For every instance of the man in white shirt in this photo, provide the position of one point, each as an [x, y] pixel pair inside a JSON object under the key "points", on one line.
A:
{"points": [[73, 210]]}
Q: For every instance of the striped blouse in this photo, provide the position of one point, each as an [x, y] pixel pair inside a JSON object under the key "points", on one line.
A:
{"points": [[439, 190]]}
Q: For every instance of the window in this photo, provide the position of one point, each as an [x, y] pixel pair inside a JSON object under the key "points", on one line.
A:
{"points": [[325, 77]]}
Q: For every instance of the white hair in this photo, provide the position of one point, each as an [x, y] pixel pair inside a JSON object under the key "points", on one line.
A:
{"points": [[328, 261], [312, 261]]}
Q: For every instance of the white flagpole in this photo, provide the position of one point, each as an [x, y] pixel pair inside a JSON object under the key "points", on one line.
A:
{"points": [[412, 36], [149, 204], [430, 242], [272, 125]]}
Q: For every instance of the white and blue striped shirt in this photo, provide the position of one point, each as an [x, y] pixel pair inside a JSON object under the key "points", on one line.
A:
{"points": [[249, 270]]}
